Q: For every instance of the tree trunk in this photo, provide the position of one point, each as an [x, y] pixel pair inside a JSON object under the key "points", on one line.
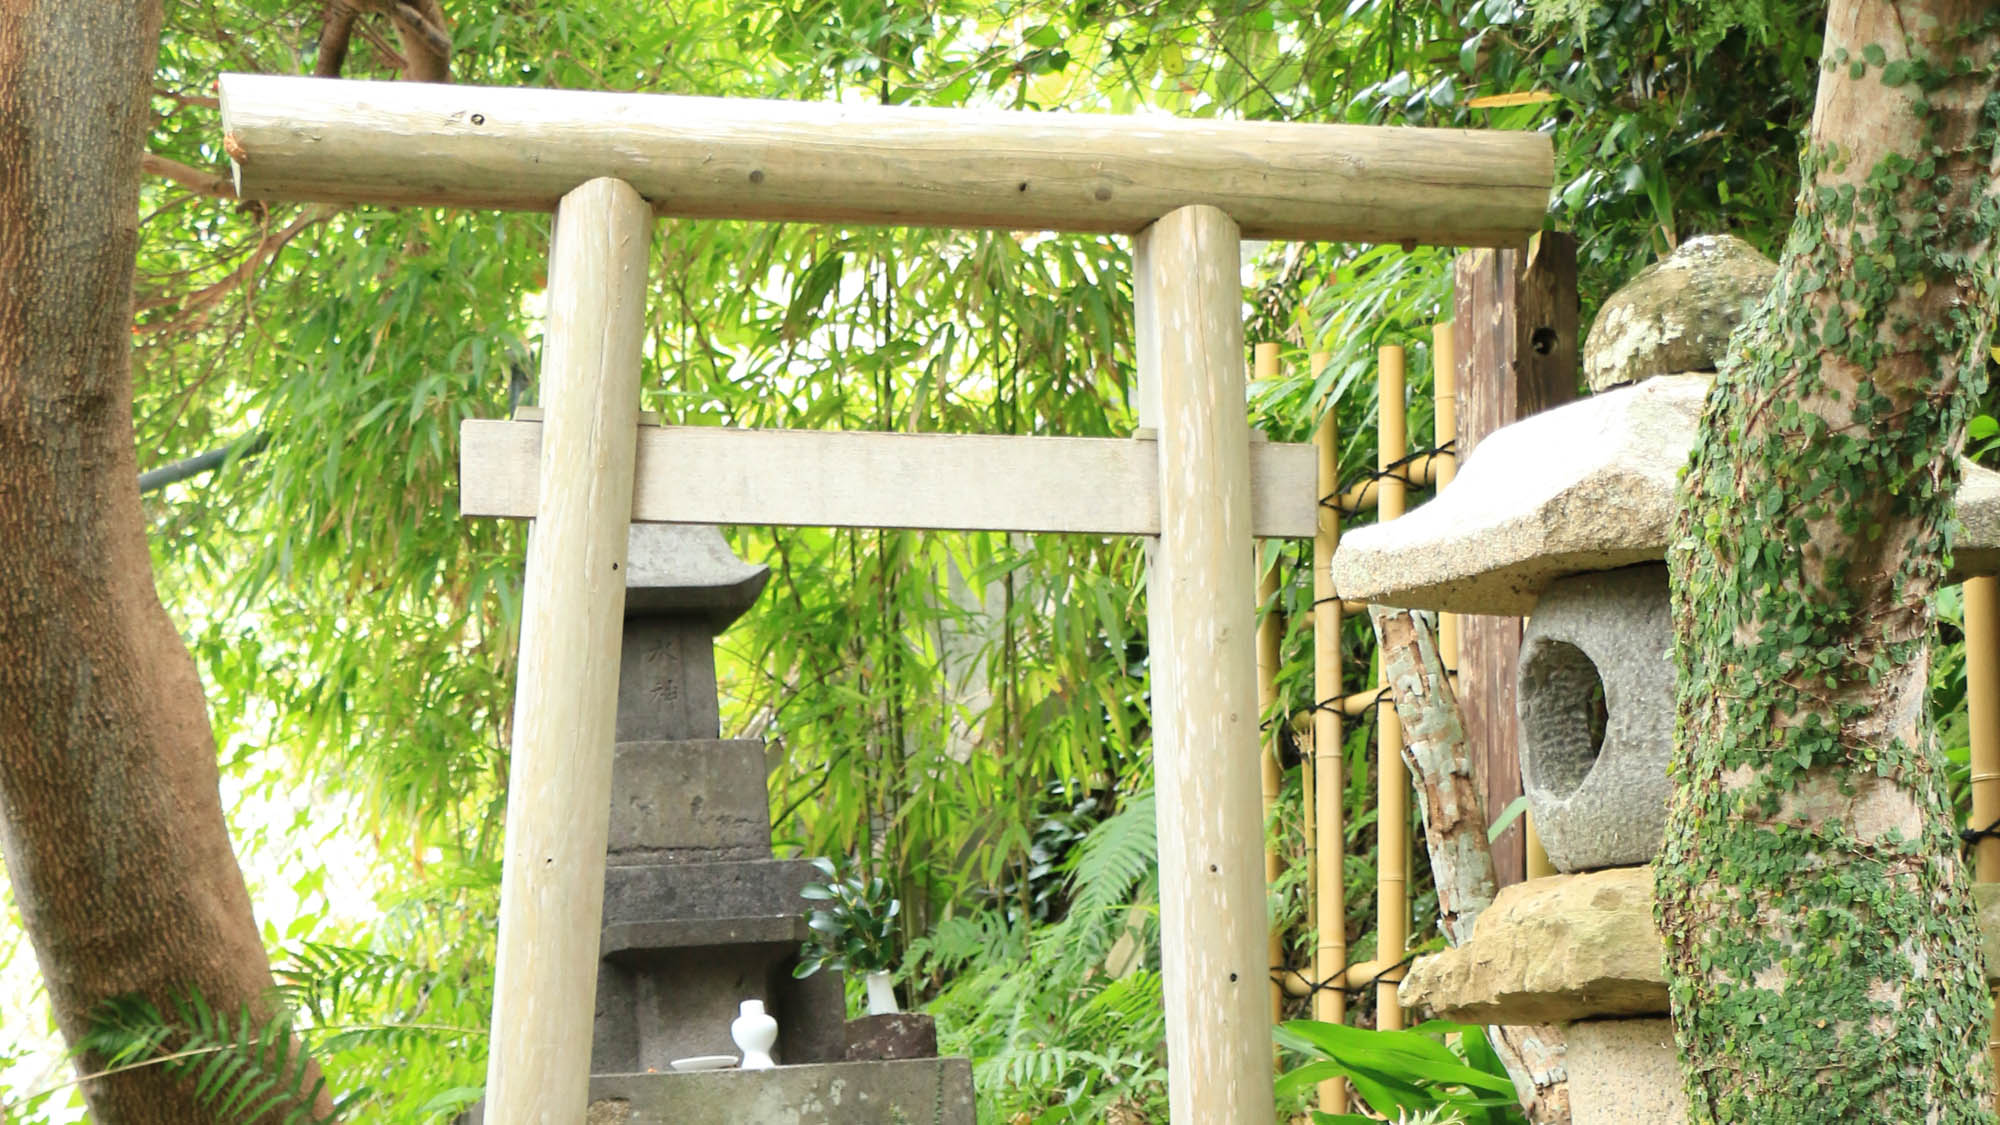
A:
{"points": [[1823, 961], [1449, 792], [110, 814]]}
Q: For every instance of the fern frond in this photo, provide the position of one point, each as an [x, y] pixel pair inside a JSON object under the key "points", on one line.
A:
{"points": [[1120, 852], [241, 1067]]}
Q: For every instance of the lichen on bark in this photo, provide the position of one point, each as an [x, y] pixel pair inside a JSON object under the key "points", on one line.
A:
{"points": [[1822, 954]]}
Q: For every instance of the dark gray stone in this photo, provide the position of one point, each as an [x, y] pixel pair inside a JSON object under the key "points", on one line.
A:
{"points": [[816, 1007], [697, 915], [902, 1092], [706, 891], [666, 680], [630, 941], [687, 801], [892, 1035], [1596, 702]]}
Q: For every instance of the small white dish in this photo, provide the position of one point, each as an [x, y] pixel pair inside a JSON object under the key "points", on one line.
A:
{"points": [[705, 1062]]}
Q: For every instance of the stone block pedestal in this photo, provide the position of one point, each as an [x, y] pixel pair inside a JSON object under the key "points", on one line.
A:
{"points": [[1582, 950], [699, 915], [902, 1092], [1623, 1072]]}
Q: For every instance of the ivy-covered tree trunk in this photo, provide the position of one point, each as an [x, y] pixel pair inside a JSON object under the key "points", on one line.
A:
{"points": [[110, 816], [1823, 957]]}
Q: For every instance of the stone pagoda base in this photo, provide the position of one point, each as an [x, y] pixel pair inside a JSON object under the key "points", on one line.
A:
{"points": [[912, 1091]]}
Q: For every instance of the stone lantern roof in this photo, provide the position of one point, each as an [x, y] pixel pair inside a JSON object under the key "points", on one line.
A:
{"points": [[1584, 487]]}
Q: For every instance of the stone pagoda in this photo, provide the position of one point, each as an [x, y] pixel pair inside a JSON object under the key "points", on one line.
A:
{"points": [[698, 914]]}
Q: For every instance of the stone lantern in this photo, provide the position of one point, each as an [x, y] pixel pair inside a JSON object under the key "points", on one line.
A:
{"points": [[1565, 518]]}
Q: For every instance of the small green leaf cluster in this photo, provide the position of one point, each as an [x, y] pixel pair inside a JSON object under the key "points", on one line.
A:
{"points": [[856, 929], [1436, 1071]]}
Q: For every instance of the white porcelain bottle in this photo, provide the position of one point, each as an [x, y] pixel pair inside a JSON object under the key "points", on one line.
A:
{"points": [[756, 1033], [881, 994]]}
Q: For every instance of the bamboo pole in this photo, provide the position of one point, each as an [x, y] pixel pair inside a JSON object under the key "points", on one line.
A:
{"points": [[1270, 636], [1982, 705], [424, 144], [1201, 590], [1537, 865], [1392, 816], [1329, 1003], [1421, 472], [1444, 395], [566, 699]]}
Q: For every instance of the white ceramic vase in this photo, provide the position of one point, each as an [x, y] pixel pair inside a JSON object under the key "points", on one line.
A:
{"points": [[756, 1033], [881, 994]]}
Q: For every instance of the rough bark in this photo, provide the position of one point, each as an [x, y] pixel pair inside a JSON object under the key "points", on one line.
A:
{"points": [[420, 25], [1823, 960], [110, 815], [1440, 758]]}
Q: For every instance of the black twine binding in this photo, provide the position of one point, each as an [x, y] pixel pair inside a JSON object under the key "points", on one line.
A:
{"points": [[1391, 470], [1278, 973], [1974, 835]]}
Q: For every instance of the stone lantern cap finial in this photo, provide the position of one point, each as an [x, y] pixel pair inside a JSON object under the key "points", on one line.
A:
{"points": [[1584, 487], [1676, 315]]}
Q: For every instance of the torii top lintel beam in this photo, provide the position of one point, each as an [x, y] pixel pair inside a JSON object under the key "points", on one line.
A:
{"points": [[410, 143]]}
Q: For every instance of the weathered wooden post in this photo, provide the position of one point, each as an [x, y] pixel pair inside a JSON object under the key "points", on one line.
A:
{"points": [[1518, 348], [1201, 595], [566, 701]]}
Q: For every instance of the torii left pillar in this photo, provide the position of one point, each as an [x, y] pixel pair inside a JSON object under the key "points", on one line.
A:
{"points": [[566, 703]]}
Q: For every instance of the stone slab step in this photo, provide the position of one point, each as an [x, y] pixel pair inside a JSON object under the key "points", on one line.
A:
{"points": [[1573, 947], [926, 1091], [706, 892], [1584, 487], [634, 941]]}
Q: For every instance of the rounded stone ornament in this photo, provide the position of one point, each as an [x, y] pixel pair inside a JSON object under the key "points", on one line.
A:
{"points": [[1596, 702], [1677, 314]]}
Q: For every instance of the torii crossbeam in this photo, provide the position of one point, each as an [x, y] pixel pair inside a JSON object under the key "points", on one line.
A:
{"points": [[608, 164]]}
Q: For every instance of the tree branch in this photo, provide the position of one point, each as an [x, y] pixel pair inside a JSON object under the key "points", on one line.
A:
{"points": [[420, 24], [333, 38], [243, 448], [206, 297], [1448, 791], [210, 184]]}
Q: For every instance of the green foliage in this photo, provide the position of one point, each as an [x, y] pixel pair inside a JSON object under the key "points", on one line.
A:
{"points": [[1062, 1020], [1435, 1071], [241, 1068], [855, 930]]}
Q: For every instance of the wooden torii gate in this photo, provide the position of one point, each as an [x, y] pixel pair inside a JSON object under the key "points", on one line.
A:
{"points": [[1193, 479]]}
